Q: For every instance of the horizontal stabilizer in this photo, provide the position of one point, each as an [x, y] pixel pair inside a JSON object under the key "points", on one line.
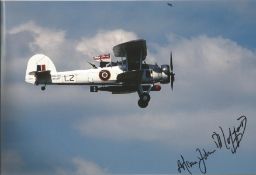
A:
{"points": [[32, 73], [43, 77]]}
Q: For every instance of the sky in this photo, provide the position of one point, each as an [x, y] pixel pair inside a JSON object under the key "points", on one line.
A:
{"points": [[68, 130]]}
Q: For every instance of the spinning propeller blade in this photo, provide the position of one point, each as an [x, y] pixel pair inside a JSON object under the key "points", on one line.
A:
{"points": [[171, 74], [171, 65]]}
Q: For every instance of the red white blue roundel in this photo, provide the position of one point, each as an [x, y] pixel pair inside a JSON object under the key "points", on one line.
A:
{"points": [[104, 75]]}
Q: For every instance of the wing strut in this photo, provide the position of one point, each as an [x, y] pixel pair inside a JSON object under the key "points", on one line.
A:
{"points": [[141, 59]]}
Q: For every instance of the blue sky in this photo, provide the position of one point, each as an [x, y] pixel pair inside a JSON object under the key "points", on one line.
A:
{"points": [[68, 130]]}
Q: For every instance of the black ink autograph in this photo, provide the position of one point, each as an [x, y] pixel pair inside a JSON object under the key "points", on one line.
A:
{"points": [[187, 165], [235, 135], [231, 142]]}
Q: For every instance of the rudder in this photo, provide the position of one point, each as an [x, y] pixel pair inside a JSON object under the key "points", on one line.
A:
{"points": [[38, 63]]}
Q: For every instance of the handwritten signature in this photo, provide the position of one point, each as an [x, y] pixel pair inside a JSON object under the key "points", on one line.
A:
{"points": [[187, 165], [231, 142]]}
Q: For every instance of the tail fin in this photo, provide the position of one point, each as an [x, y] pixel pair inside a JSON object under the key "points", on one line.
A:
{"points": [[38, 63]]}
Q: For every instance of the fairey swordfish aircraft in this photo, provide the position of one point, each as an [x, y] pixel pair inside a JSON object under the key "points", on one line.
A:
{"points": [[129, 75]]}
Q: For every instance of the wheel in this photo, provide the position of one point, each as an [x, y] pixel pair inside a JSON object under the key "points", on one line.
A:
{"points": [[142, 103], [43, 88], [145, 97]]}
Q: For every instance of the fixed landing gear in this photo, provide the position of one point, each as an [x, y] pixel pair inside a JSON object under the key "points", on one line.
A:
{"points": [[43, 88], [144, 99], [144, 96]]}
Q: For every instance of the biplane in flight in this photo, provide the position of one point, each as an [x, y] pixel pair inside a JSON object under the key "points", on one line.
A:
{"points": [[130, 74]]}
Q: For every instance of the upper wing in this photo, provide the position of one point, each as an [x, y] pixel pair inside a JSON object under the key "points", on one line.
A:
{"points": [[135, 52]]}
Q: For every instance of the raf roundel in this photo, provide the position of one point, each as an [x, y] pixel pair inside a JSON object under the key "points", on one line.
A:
{"points": [[104, 75]]}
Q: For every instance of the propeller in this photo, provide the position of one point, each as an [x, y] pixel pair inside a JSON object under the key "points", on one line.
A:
{"points": [[171, 73], [168, 70]]}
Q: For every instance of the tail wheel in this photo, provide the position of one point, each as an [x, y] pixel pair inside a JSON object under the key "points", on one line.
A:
{"points": [[43, 88]]}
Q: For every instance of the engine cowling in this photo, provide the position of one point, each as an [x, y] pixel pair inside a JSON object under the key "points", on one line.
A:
{"points": [[165, 74]]}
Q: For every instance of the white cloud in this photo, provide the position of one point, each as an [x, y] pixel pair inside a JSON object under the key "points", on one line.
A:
{"points": [[215, 55], [67, 53], [45, 40], [104, 41], [210, 67], [82, 167], [182, 129], [51, 42], [131, 127]]}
